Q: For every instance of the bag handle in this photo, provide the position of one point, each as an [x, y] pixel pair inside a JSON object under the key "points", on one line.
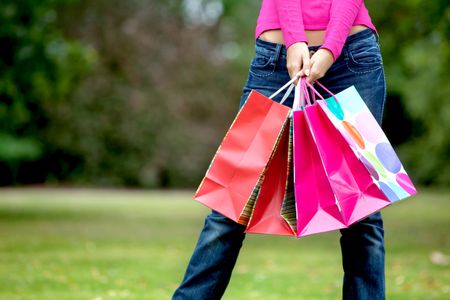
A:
{"points": [[305, 91], [288, 92], [311, 87], [301, 94], [327, 90], [283, 87], [299, 100]]}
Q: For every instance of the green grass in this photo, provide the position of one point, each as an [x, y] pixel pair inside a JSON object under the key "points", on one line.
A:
{"points": [[108, 244]]}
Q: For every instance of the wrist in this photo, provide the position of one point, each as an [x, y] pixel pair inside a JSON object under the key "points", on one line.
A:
{"points": [[297, 43], [330, 52]]}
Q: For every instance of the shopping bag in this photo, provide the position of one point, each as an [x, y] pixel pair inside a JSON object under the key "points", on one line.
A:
{"points": [[357, 195], [316, 206], [356, 124], [233, 180], [288, 210], [266, 217], [326, 157]]}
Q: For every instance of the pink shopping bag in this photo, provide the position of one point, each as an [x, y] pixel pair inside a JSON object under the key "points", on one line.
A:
{"points": [[316, 205], [356, 193]]}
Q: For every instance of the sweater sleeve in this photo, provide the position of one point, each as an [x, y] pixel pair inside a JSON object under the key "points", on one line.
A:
{"points": [[342, 15], [291, 21]]}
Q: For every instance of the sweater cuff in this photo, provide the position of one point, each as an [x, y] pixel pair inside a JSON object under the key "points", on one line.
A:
{"points": [[291, 38], [333, 48]]}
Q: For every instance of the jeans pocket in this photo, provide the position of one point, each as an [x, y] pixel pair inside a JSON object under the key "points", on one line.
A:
{"points": [[364, 56], [262, 65]]}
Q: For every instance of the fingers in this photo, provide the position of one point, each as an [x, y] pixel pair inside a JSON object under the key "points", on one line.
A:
{"points": [[297, 53], [300, 70], [294, 67], [294, 70], [306, 65], [321, 61], [314, 75], [317, 71], [298, 75]]}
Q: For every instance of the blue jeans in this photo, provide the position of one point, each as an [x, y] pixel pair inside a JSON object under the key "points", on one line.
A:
{"points": [[362, 244]]}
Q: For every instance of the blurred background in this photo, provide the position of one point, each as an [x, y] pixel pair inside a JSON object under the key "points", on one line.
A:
{"points": [[138, 94]]}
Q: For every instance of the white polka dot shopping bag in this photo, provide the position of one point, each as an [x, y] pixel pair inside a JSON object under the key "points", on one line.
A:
{"points": [[344, 166], [352, 118]]}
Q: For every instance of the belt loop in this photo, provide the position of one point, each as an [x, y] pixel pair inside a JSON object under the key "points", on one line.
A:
{"points": [[278, 52]]}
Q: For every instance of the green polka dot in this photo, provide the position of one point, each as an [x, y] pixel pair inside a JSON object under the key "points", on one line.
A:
{"points": [[375, 163]]}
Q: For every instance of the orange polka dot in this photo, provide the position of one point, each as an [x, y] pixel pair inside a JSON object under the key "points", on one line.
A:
{"points": [[354, 133]]}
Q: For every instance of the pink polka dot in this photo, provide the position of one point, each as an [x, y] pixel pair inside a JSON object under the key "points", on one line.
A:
{"points": [[405, 182], [369, 128]]}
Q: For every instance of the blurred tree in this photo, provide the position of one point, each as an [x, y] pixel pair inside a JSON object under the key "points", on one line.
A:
{"points": [[415, 44], [166, 83], [38, 67]]}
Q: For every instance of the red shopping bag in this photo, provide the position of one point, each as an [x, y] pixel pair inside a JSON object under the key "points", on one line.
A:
{"points": [[266, 217], [232, 182]]}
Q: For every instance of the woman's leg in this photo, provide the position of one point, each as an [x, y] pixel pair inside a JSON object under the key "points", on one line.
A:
{"points": [[215, 255], [212, 262], [362, 244]]}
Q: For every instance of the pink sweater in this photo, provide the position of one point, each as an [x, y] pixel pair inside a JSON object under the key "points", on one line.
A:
{"points": [[293, 17]]}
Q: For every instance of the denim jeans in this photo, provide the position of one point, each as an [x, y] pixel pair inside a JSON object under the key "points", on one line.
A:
{"points": [[362, 244]]}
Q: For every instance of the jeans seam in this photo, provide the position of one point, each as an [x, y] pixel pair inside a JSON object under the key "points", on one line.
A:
{"points": [[384, 97], [364, 72], [271, 63]]}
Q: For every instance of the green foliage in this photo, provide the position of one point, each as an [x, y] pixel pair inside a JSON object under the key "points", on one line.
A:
{"points": [[154, 110], [415, 45], [12, 148], [38, 67], [141, 92]]}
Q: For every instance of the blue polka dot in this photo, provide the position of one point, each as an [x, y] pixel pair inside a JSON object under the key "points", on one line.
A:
{"points": [[388, 192]]}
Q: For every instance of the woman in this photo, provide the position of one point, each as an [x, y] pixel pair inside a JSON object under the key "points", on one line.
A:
{"points": [[336, 42]]}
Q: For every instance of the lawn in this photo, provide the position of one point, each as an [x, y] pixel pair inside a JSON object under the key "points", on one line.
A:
{"points": [[117, 244]]}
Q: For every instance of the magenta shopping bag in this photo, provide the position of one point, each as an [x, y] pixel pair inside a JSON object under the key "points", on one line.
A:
{"points": [[357, 195], [316, 205]]}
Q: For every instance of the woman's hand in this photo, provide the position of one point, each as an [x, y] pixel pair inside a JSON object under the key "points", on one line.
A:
{"points": [[298, 60], [321, 61]]}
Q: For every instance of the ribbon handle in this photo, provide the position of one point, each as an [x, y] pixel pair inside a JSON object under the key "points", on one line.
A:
{"points": [[311, 87], [283, 87]]}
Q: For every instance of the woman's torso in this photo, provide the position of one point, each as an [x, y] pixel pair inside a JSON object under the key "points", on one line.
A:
{"points": [[316, 16], [315, 37]]}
